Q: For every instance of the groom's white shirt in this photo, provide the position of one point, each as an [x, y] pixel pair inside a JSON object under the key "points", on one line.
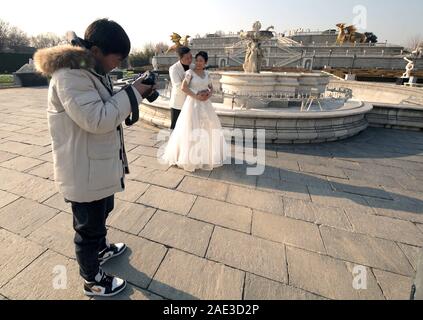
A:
{"points": [[177, 76]]}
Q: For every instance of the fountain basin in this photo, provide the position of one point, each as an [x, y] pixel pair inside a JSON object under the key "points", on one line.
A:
{"points": [[283, 126], [266, 84]]}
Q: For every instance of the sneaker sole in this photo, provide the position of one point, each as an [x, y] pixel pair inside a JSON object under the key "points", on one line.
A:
{"points": [[114, 256], [92, 294]]}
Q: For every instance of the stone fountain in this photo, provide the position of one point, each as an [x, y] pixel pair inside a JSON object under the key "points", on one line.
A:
{"points": [[291, 107]]}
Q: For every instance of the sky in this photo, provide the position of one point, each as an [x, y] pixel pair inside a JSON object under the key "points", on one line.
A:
{"points": [[153, 21]]}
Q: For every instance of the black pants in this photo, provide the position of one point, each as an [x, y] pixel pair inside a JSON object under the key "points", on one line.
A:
{"points": [[89, 222], [174, 115]]}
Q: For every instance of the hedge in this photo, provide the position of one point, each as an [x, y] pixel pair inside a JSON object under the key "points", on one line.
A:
{"points": [[11, 62]]}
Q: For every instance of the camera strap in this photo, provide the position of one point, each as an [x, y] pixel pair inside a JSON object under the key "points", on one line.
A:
{"points": [[134, 107], [131, 95]]}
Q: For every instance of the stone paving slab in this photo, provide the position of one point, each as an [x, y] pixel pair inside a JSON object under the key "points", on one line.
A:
{"points": [[6, 156], [44, 171], [260, 200], [24, 216], [338, 199], [258, 288], [168, 200], [404, 209], [228, 174], [17, 253], [146, 151], [287, 231], [186, 277], [133, 191], [386, 228], [150, 162], [394, 286], [139, 262], [360, 188], [179, 232], [130, 217], [413, 254], [327, 277], [286, 189], [48, 157], [205, 188], [38, 280], [323, 170], [248, 253], [57, 234], [26, 185], [7, 198], [282, 163], [156, 177], [318, 214], [132, 293], [372, 177], [57, 201], [222, 214], [366, 250], [304, 178], [21, 163], [23, 149]]}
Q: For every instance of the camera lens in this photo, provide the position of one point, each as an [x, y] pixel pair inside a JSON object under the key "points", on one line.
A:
{"points": [[153, 97]]}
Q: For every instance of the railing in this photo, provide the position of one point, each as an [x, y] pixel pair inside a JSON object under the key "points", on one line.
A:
{"points": [[305, 100]]}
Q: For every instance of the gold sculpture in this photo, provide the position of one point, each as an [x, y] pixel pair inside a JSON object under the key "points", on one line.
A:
{"points": [[178, 42], [349, 34]]}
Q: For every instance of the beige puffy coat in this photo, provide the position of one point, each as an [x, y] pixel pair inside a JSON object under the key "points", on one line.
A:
{"points": [[84, 120]]}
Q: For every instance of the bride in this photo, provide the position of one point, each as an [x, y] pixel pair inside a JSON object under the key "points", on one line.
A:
{"points": [[198, 141]]}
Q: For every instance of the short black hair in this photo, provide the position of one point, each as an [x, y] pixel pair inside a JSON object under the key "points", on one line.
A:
{"points": [[203, 54], [183, 51], [109, 36]]}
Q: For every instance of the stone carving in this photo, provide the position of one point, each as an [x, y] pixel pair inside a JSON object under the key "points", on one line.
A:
{"points": [[254, 55], [253, 58], [417, 53], [178, 42]]}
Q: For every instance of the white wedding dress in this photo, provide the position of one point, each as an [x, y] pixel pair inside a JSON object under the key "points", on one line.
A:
{"points": [[198, 141]]}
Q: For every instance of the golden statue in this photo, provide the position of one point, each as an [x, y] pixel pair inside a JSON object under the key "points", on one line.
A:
{"points": [[178, 42], [349, 34]]}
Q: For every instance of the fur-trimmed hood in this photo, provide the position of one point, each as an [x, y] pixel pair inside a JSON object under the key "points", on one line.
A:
{"points": [[49, 60]]}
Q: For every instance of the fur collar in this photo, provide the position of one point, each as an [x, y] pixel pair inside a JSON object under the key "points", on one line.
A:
{"points": [[49, 60]]}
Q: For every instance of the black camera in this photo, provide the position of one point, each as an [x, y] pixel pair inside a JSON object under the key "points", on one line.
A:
{"points": [[150, 79]]}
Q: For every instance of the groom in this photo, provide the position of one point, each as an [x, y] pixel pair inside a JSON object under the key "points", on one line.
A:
{"points": [[177, 75]]}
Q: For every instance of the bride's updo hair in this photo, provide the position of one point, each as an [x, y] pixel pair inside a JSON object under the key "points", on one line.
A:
{"points": [[202, 54]]}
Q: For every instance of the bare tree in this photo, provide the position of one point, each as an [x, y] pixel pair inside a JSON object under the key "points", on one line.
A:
{"points": [[46, 40], [4, 27], [12, 36], [140, 58], [16, 37], [161, 47], [414, 42]]}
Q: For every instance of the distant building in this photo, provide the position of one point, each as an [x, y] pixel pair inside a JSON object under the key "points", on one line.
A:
{"points": [[297, 49]]}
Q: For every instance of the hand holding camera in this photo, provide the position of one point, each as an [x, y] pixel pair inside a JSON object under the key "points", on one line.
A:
{"points": [[146, 85]]}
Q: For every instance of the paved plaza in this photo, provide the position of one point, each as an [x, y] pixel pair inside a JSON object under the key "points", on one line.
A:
{"points": [[319, 217]]}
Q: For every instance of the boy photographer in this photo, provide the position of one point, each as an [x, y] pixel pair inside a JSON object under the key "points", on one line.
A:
{"points": [[85, 123]]}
